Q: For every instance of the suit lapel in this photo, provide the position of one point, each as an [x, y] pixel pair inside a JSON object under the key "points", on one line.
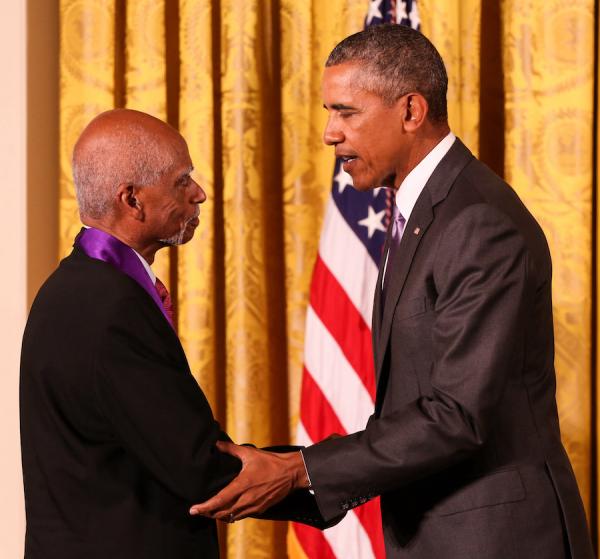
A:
{"points": [[420, 219], [435, 191]]}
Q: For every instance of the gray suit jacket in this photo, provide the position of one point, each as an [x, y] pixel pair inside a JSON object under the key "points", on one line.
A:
{"points": [[464, 445]]}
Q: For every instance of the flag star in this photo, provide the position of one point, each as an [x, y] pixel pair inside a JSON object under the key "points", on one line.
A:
{"points": [[415, 20], [401, 11], [343, 179], [373, 222], [374, 11]]}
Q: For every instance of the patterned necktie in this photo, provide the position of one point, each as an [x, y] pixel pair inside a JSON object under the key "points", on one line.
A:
{"points": [[165, 298], [397, 230]]}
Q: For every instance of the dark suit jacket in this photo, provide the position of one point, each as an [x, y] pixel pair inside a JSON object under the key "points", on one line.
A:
{"points": [[117, 439], [464, 445]]}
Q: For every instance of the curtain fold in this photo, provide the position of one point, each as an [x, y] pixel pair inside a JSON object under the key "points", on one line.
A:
{"points": [[241, 80], [86, 88], [256, 369], [200, 295], [454, 26], [549, 83], [309, 30]]}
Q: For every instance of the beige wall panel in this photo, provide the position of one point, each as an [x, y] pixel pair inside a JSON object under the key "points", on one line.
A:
{"points": [[13, 281]]}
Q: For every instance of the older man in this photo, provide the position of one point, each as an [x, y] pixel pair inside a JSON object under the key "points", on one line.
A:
{"points": [[117, 439], [464, 444]]}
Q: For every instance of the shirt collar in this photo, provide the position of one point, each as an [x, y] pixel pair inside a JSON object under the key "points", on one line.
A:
{"points": [[146, 266], [142, 260], [413, 184]]}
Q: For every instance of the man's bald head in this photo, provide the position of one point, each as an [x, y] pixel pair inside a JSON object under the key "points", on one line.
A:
{"points": [[121, 146]]}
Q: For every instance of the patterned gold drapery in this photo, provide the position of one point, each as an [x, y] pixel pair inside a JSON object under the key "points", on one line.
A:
{"points": [[241, 80], [549, 83]]}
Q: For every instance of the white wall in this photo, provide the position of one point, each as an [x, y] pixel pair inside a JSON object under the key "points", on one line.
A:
{"points": [[13, 278]]}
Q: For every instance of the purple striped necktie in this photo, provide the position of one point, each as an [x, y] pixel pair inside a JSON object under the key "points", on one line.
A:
{"points": [[165, 298], [398, 225], [397, 228]]}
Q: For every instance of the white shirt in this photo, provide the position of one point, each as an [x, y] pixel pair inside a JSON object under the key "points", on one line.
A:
{"points": [[146, 266], [414, 183]]}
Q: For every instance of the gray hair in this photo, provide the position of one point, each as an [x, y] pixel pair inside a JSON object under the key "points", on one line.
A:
{"points": [[397, 60], [129, 154]]}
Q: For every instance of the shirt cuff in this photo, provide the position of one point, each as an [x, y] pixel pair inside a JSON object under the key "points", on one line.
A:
{"points": [[310, 488]]}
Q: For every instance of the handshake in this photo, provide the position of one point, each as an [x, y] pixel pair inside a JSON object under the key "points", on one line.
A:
{"points": [[260, 489]]}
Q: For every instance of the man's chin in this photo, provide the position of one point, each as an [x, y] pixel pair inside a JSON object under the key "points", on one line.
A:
{"points": [[366, 187], [177, 241], [182, 237], [366, 184]]}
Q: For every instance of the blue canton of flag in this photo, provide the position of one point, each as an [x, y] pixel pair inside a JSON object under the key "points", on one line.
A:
{"points": [[365, 212], [404, 12]]}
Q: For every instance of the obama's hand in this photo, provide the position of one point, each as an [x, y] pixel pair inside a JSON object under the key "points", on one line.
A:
{"points": [[264, 480]]}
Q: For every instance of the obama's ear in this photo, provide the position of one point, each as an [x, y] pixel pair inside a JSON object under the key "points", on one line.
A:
{"points": [[415, 111]]}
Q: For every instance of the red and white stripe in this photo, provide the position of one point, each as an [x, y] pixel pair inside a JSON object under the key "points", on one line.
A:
{"points": [[338, 385]]}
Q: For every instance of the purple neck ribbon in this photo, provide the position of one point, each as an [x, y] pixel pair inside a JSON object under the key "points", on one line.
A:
{"points": [[102, 246]]}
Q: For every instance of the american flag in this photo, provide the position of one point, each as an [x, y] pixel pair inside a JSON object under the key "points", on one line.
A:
{"points": [[338, 382]]}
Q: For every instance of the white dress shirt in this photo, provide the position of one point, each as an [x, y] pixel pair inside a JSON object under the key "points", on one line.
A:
{"points": [[146, 266], [414, 183]]}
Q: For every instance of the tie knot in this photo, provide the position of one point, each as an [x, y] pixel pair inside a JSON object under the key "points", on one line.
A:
{"points": [[398, 225], [163, 293], [165, 298]]}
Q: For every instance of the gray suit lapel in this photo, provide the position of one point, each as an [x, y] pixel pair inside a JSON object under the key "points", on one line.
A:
{"points": [[435, 191], [420, 219]]}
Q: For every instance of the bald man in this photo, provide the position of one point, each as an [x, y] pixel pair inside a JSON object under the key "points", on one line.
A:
{"points": [[117, 438]]}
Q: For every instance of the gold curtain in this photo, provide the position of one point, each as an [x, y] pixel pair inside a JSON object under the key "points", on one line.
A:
{"points": [[241, 80], [548, 50]]}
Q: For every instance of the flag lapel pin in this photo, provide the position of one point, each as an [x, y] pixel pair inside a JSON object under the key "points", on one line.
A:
{"points": [[417, 230]]}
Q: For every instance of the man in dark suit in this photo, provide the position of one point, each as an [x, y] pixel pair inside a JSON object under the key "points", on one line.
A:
{"points": [[118, 440], [464, 444]]}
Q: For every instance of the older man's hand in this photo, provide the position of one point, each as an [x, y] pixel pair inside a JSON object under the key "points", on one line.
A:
{"points": [[264, 480]]}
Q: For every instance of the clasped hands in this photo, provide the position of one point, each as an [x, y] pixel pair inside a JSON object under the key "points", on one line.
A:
{"points": [[264, 480]]}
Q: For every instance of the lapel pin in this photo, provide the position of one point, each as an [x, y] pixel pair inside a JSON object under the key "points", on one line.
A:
{"points": [[417, 230]]}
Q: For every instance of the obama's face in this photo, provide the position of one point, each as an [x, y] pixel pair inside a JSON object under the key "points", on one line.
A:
{"points": [[368, 134]]}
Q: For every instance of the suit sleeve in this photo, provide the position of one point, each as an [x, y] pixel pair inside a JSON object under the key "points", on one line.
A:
{"points": [[480, 274], [154, 406], [298, 506]]}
